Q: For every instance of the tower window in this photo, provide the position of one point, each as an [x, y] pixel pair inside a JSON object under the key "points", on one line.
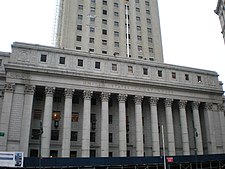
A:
{"points": [[92, 19], [173, 75], [138, 28], [139, 48], [116, 23], [159, 73], [97, 65], [79, 38], [43, 58], [137, 9], [80, 7], [92, 40], [104, 12], [116, 5], [130, 69], [92, 29], [104, 2], [104, 32], [147, 12], [78, 48], [145, 71], [92, 9], [110, 137], [116, 14], [139, 37], [79, 27], [104, 52], [80, 17], [146, 3], [80, 62], [91, 50], [116, 44], [104, 42], [62, 60], [104, 21], [138, 18], [186, 76], [116, 34], [114, 67], [199, 79], [150, 50]]}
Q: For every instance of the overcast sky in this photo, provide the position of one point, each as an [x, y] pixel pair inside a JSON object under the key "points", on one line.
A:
{"points": [[190, 30]]}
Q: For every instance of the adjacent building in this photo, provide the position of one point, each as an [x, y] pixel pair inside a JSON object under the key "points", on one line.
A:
{"points": [[220, 12], [102, 27]]}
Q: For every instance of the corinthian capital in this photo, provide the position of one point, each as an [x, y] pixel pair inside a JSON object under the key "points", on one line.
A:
{"points": [[105, 96], [153, 101], [29, 89], [9, 87], [168, 102], [87, 94], [69, 93], [138, 99], [49, 91], [182, 104], [195, 105], [122, 97]]}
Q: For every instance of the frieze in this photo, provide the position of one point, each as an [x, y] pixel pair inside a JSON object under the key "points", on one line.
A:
{"points": [[15, 75], [29, 89]]}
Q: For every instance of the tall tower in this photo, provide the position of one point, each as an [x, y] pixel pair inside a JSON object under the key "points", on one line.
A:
{"points": [[220, 11], [100, 26]]}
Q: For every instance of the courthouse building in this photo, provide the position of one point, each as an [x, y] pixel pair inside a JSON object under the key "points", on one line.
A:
{"points": [[95, 100]]}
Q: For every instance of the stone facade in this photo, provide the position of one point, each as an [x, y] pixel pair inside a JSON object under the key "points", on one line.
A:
{"points": [[220, 11], [99, 26], [98, 105]]}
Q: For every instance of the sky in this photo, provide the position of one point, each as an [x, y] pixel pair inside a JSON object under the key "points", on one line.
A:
{"points": [[191, 32]]}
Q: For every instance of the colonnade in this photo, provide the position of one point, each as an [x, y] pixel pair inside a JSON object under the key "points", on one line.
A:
{"points": [[104, 145]]}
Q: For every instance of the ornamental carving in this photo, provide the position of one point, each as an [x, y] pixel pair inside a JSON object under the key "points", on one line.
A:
{"points": [[138, 99], [153, 101], [208, 106], [29, 89], [9, 87], [105, 96], [15, 75], [122, 97], [49, 91], [168, 102], [182, 104], [87, 94], [220, 108], [69, 93], [195, 105]]}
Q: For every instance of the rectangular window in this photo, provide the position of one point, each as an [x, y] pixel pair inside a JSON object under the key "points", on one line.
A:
{"points": [[150, 40], [62, 60], [92, 153], [104, 21], [110, 137], [104, 31], [91, 50], [80, 17], [147, 12], [114, 67], [139, 48], [91, 40], [53, 153], [145, 71], [79, 27], [150, 50], [128, 139], [146, 3], [136, 1], [110, 119], [116, 44], [148, 21], [116, 5], [92, 29], [55, 135], [79, 38], [116, 14], [104, 12], [37, 114], [93, 1], [139, 28], [92, 136], [97, 65], [104, 52], [104, 42], [130, 69], [92, 20], [73, 154], [80, 62], [137, 9], [43, 58], [93, 9], [199, 79], [73, 136], [116, 34], [80, 7], [186, 76], [104, 2], [110, 154], [159, 73], [116, 23], [78, 48], [173, 75], [35, 134], [75, 117], [33, 153], [138, 18], [139, 38]]}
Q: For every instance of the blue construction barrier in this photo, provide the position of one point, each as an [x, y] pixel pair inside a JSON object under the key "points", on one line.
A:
{"points": [[33, 162]]}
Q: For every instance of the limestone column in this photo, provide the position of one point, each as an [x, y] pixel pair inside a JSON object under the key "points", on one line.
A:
{"points": [[5, 115], [26, 120], [197, 128], [184, 127], [85, 149], [67, 123], [170, 127], [210, 131], [105, 124], [47, 121], [122, 125], [139, 126], [222, 123], [154, 126]]}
